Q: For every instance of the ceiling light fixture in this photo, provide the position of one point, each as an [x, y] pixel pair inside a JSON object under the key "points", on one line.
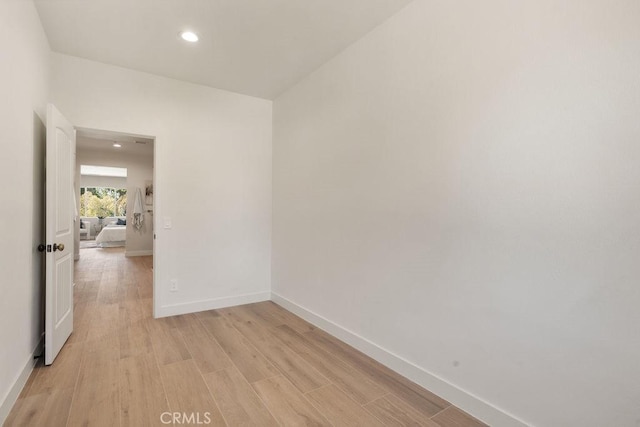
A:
{"points": [[116, 145], [189, 36]]}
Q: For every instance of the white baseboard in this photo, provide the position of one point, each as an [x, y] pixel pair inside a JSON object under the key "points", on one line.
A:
{"points": [[458, 397], [138, 253], [211, 304], [11, 397]]}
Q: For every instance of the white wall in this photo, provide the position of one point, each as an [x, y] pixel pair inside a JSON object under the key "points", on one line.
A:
{"points": [[23, 94], [139, 171], [461, 187], [212, 176]]}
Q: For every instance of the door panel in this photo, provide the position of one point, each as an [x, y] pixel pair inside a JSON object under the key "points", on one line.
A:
{"points": [[64, 274], [63, 199]]}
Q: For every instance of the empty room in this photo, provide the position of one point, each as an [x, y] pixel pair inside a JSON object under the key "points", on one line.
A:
{"points": [[328, 213]]}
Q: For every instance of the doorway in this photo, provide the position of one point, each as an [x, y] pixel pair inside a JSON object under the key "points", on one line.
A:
{"points": [[114, 235], [114, 191]]}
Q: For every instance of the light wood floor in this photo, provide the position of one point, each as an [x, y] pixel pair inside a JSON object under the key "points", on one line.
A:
{"points": [[253, 365]]}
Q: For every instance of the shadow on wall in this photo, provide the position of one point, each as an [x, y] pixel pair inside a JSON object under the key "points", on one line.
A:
{"points": [[38, 219]]}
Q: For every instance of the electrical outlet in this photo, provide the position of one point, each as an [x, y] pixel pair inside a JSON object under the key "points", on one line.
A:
{"points": [[173, 287]]}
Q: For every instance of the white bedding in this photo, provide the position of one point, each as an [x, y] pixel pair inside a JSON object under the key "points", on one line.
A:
{"points": [[112, 235]]}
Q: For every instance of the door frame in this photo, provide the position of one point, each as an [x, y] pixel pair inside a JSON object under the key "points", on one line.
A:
{"points": [[154, 218]]}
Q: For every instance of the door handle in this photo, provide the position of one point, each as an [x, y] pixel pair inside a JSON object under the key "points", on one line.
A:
{"points": [[58, 247], [41, 247]]}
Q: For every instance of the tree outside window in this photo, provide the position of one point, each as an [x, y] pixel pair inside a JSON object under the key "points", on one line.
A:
{"points": [[103, 202]]}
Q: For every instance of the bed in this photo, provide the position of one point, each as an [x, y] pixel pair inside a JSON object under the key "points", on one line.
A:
{"points": [[112, 236]]}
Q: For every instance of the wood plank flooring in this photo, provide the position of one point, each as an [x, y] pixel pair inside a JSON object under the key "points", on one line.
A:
{"points": [[252, 365]]}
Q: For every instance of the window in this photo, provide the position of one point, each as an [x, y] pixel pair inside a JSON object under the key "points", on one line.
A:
{"points": [[103, 171], [102, 202]]}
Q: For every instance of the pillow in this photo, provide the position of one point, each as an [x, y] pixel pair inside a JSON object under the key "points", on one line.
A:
{"points": [[122, 221]]}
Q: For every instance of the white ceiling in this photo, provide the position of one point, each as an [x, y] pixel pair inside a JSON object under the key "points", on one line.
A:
{"points": [[102, 141], [254, 47]]}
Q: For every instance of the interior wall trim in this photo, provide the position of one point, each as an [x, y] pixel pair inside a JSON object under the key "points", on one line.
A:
{"points": [[464, 400], [211, 304], [12, 396]]}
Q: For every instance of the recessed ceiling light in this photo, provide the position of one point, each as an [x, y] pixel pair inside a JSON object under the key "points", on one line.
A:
{"points": [[189, 36], [115, 144]]}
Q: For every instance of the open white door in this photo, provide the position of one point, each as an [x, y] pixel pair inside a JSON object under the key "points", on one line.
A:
{"points": [[60, 212]]}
